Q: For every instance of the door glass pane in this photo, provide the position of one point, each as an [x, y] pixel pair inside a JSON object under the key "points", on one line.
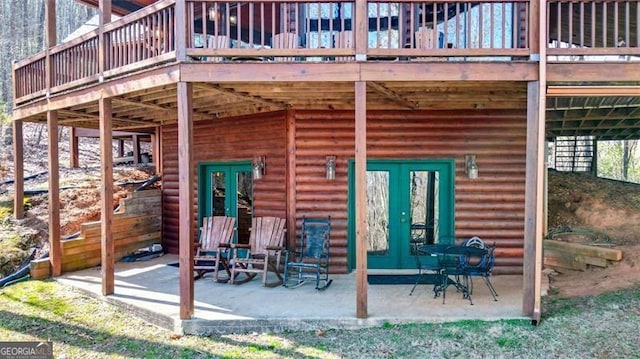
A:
{"points": [[378, 212], [218, 193], [424, 206], [244, 205]]}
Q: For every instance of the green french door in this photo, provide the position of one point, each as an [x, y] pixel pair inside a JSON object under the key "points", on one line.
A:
{"points": [[226, 189], [407, 200]]}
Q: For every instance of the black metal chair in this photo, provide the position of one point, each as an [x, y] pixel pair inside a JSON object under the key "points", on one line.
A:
{"points": [[452, 262], [481, 267], [311, 259], [425, 268]]}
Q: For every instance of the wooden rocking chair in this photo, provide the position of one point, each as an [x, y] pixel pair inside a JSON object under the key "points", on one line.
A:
{"points": [[285, 40], [344, 40], [218, 42], [262, 253], [215, 233]]}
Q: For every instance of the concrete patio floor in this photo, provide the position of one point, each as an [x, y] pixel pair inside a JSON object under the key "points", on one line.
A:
{"points": [[149, 289]]}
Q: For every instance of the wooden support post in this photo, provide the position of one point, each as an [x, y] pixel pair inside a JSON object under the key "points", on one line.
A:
{"points": [[51, 40], [181, 30], [18, 169], [103, 40], [106, 196], [157, 150], [74, 159], [361, 198], [290, 123], [135, 142], [361, 30], [55, 250], [185, 196], [535, 169], [120, 148]]}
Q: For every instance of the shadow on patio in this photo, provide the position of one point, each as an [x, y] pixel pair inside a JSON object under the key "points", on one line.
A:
{"points": [[150, 290]]}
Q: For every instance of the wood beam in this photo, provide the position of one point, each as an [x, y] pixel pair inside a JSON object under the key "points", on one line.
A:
{"points": [[85, 116], [18, 170], [51, 41], [216, 89], [135, 142], [55, 249], [106, 214], [164, 110], [290, 123], [73, 148], [155, 150], [361, 35], [622, 72], [604, 91], [181, 30], [393, 96], [185, 195], [103, 41], [361, 198], [141, 103]]}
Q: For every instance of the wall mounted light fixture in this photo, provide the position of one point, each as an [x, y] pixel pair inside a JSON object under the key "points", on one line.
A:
{"points": [[331, 167], [259, 167], [213, 13], [471, 167]]}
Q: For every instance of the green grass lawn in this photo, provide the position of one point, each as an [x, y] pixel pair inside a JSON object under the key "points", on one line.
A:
{"points": [[604, 326]]}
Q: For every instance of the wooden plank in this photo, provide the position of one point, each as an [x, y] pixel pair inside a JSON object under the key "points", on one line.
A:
{"points": [[106, 197], [88, 244], [186, 180], [585, 250], [40, 269], [361, 198], [593, 72], [564, 262], [54, 194], [18, 172]]}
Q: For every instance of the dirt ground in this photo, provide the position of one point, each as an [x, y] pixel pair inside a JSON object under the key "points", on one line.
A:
{"points": [[79, 195], [598, 210]]}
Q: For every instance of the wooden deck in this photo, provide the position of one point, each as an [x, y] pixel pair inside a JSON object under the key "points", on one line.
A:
{"points": [[254, 57]]}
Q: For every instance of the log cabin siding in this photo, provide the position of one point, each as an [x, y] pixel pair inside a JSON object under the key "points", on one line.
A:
{"points": [[491, 207], [225, 140]]}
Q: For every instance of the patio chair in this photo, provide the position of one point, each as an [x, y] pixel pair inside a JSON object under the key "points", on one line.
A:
{"points": [[481, 267], [216, 232], [218, 42], [424, 267], [311, 259], [286, 40], [263, 252], [344, 40], [427, 38]]}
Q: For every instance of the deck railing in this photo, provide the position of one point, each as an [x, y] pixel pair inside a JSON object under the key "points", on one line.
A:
{"points": [[326, 31], [593, 30], [336, 31]]}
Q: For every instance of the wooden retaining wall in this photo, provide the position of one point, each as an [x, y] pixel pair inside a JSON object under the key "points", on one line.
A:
{"points": [[137, 223]]}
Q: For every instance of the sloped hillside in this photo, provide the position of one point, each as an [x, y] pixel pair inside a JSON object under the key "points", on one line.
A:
{"points": [[598, 211]]}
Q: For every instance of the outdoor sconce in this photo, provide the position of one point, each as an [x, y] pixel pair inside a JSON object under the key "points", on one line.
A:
{"points": [[213, 13], [258, 167], [471, 167], [331, 168]]}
